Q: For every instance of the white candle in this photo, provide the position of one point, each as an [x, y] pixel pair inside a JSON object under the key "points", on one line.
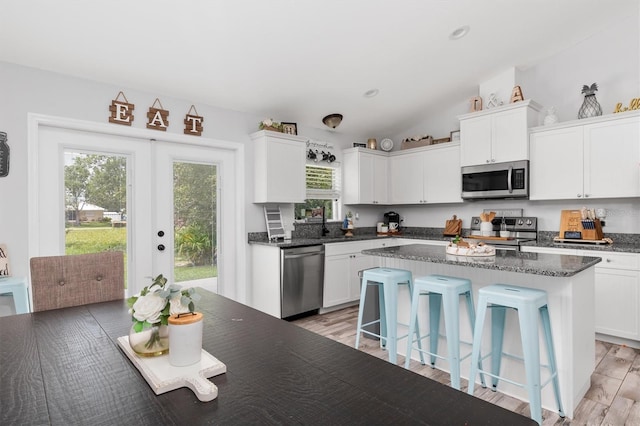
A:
{"points": [[185, 339]]}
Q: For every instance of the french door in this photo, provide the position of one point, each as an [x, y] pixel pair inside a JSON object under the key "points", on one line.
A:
{"points": [[177, 211]]}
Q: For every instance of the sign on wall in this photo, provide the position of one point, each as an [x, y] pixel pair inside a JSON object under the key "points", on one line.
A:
{"points": [[193, 122], [158, 117], [121, 112], [4, 262]]}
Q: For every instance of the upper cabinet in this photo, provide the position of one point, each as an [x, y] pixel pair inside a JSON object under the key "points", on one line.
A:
{"points": [[365, 175], [590, 158], [497, 135], [426, 175], [279, 167]]}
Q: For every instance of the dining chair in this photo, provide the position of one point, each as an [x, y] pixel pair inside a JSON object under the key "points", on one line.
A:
{"points": [[73, 280]]}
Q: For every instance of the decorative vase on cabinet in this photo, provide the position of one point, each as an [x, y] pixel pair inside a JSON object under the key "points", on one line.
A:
{"points": [[590, 106]]}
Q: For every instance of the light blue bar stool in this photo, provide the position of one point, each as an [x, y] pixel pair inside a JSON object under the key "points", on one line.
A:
{"points": [[387, 280], [442, 290], [529, 303], [17, 286]]}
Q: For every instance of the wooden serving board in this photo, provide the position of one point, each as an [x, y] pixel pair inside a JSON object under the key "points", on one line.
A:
{"points": [[453, 227], [580, 241], [478, 237], [163, 377]]}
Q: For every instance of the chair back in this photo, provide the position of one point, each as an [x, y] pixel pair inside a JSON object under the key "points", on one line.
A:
{"points": [[73, 280]]}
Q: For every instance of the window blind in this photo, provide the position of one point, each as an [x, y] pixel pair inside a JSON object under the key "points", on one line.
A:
{"points": [[323, 183]]}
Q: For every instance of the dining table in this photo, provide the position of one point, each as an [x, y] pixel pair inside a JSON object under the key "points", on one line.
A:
{"points": [[64, 367]]}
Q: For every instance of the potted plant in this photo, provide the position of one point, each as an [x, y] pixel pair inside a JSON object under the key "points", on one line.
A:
{"points": [[150, 311], [270, 124]]}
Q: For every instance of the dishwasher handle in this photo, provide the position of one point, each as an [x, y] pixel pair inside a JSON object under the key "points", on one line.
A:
{"points": [[297, 256]]}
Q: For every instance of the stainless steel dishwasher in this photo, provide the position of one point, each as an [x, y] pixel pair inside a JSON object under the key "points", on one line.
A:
{"points": [[301, 279]]}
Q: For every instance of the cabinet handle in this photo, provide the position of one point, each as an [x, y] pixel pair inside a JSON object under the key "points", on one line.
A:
{"points": [[488, 161], [608, 260], [493, 160], [579, 195], [586, 195]]}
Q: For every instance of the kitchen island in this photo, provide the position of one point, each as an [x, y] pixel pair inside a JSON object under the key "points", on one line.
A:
{"points": [[569, 282]]}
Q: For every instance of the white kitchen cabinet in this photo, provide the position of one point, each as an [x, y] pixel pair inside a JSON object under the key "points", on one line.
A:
{"points": [[279, 167], [497, 135], [365, 177], [426, 175], [617, 294], [591, 158], [617, 291], [265, 279], [342, 262]]}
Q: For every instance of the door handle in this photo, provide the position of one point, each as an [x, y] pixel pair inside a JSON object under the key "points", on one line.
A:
{"points": [[161, 247]]}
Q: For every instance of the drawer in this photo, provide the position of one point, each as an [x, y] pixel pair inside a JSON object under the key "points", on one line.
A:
{"points": [[614, 260], [333, 249]]}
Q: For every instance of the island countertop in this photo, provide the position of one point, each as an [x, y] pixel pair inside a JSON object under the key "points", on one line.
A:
{"points": [[553, 265]]}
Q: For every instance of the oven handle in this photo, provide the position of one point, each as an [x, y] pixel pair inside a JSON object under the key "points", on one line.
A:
{"points": [[509, 184]]}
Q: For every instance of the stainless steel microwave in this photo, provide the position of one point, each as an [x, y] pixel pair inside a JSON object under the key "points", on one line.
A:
{"points": [[496, 180]]}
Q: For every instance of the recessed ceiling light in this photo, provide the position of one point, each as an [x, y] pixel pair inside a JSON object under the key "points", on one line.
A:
{"points": [[458, 33], [371, 93]]}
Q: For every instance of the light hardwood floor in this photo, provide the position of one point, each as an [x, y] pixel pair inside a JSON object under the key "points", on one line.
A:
{"points": [[613, 399]]}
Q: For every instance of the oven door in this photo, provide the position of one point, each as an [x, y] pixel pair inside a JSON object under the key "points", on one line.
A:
{"points": [[501, 180]]}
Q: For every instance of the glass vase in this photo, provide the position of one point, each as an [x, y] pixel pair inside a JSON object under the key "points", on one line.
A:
{"points": [[150, 341], [590, 107]]}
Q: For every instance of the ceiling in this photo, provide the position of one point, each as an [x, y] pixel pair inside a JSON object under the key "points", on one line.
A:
{"points": [[299, 60]]}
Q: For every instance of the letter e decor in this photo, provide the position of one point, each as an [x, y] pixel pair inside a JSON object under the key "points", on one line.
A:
{"points": [[121, 112], [158, 117], [193, 123]]}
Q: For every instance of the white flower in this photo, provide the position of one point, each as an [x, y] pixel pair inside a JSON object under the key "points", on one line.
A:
{"points": [[148, 308], [176, 306], [268, 122]]}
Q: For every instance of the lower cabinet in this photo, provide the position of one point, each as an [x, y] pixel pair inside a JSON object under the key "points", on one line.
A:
{"points": [[617, 294], [617, 291]]}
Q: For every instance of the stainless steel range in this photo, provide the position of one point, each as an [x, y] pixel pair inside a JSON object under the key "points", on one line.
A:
{"points": [[520, 228]]}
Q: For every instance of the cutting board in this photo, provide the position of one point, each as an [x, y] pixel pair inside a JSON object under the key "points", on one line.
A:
{"points": [[453, 227], [571, 220]]}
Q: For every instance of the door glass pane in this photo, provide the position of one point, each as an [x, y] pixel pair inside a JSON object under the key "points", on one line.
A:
{"points": [[95, 203], [195, 224]]}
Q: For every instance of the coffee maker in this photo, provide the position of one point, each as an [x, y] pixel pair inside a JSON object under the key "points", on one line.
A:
{"points": [[392, 220]]}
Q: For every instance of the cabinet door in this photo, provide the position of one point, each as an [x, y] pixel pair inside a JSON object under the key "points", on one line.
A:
{"points": [[442, 179], [556, 168], [509, 134], [617, 300], [380, 179], [475, 141], [279, 171], [406, 178], [612, 159], [336, 280]]}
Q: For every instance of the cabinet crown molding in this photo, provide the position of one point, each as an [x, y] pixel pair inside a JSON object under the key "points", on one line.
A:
{"points": [[530, 103]]}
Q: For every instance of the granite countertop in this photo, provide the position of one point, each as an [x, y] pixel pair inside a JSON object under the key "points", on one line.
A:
{"points": [[622, 243], [552, 265]]}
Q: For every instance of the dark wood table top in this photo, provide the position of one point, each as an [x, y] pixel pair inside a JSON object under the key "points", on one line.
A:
{"points": [[63, 367]]}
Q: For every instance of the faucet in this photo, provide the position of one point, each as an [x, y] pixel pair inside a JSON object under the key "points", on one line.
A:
{"points": [[325, 231]]}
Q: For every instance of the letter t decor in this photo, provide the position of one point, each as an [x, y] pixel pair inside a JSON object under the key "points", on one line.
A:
{"points": [[193, 123]]}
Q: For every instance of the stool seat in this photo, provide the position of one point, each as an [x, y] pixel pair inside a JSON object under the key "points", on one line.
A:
{"points": [[387, 280], [446, 290], [531, 305]]}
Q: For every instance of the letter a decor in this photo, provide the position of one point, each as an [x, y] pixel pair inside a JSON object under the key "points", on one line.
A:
{"points": [[158, 117]]}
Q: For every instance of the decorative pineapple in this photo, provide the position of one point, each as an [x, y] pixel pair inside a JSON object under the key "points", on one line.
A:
{"points": [[590, 107]]}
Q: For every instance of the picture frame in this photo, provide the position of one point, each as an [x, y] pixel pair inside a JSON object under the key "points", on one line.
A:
{"points": [[290, 128], [359, 145], [455, 136]]}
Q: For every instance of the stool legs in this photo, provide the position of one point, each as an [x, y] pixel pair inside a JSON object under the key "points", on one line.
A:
{"points": [[498, 314], [363, 292], [531, 354], [435, 304], [477, 340]]}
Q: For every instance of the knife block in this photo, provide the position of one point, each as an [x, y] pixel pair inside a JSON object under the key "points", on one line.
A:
{"points": [[595, 233]]}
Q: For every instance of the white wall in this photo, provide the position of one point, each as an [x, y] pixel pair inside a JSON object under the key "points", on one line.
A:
{"points": [[27, 90]]}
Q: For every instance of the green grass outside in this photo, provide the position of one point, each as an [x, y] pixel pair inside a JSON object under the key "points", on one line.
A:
{"points": [[96, 237]]}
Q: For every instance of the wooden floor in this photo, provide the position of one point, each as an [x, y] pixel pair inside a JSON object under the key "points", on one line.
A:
{"points": [[613, 399]]}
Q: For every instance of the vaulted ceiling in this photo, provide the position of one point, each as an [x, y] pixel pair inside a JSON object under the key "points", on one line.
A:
{"points": [[299, 60]]}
